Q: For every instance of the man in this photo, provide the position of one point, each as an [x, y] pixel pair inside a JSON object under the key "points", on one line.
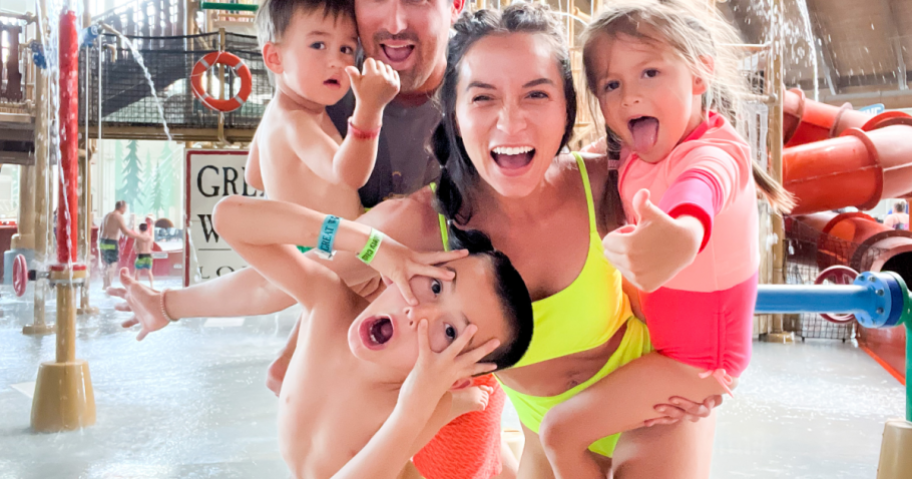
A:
{"points": [[112, 225], [411, 37]]}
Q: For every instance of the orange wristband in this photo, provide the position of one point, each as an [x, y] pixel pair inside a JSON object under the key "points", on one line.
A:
{"points": [[362, 134]]}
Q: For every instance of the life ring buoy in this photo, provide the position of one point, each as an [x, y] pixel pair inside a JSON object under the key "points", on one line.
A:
{"points": [[837, 274], [229, 60]]}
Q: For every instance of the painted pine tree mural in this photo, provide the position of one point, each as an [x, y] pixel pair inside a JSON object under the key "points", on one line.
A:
{"points": [[161, 182], [131, 188], [158, 187], [118, 168], [176, 187], [148, 176]]}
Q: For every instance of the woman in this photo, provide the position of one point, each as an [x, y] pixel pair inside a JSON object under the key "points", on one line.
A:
{"points": [[509, 107]]}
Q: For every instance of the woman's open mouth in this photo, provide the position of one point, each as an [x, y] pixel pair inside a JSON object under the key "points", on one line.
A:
{"points": [[376, 331], [513, 159]]}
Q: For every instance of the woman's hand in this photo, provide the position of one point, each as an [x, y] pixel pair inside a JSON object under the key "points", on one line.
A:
{"points": [[436, 373], [656, 249], [144, 302], [681, 408], [398, 264]]}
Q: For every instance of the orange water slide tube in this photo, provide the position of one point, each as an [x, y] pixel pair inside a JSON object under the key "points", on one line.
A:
{"points": [[806, 121], [858, 168]]}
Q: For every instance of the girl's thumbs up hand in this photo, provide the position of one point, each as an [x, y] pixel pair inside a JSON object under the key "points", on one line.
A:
{"points": [[656, 248]]}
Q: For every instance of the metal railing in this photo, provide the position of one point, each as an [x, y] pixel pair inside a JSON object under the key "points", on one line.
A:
{"points": [[147, 18]]}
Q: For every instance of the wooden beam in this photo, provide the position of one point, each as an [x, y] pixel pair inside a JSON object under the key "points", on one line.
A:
{"points": [[17, 158], [110, 132]]}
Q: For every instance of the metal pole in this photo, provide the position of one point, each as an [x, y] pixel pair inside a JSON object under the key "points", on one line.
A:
{"points": [[42, 152], [221, 68], [775, 86], [101, 164], [85, 201]]}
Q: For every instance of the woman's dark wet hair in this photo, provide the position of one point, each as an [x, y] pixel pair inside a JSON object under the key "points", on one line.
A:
{"points": [[514, 297], [458, 175]]}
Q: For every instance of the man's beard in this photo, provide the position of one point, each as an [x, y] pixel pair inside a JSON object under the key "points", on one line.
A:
{"points": [[416, 76], [412, 79]]}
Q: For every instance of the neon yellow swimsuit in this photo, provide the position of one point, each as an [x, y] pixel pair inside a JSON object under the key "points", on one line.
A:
{"points": [[582, 316]]}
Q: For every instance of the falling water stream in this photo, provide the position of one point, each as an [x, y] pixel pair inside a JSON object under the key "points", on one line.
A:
{"points": [[139, 59], [812, 43]]}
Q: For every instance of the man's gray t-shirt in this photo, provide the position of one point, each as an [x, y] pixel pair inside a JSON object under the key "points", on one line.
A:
{"points": [[404, 161]]}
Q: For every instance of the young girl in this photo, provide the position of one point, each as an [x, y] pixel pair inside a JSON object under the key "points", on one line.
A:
{"points": [[669, 95]]}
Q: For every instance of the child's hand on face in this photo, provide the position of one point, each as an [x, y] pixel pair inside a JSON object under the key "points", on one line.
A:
{"points": [[398, 264], [470, 399], [657, 248], [436, 373], [376, 85]]}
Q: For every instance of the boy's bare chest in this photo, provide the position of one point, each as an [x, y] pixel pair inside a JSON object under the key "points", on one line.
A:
{"points": [[325, 416]]}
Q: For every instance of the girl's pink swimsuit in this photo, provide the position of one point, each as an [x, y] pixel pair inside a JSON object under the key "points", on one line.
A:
{"points": [[704, 315]]}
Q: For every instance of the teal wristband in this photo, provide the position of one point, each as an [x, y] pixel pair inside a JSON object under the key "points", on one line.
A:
{"points": [[327, 236], [370, 249]]}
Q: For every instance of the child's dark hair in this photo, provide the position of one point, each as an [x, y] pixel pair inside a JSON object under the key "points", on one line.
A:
{"points": [[691, 30], [274, 16], [458, 173], [514, 298], [143, 227]]}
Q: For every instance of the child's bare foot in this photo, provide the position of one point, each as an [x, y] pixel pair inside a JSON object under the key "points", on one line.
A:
{"points": [[276, 372], [470, 399]]}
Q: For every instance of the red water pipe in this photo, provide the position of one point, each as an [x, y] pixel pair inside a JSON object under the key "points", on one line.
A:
{"points": [[69, 138]]}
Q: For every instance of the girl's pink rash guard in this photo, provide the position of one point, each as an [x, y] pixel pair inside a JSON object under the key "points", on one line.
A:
{"points": [[704, 315]]}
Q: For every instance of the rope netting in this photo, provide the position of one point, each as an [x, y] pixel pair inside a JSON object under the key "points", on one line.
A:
{"points": [[127, 99]]}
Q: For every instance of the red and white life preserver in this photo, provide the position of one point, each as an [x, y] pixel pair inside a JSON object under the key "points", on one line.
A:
{"points": [[229, 60]]}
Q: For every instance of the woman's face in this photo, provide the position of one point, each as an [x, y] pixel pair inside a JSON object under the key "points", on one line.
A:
{"points": [[510, 110]]}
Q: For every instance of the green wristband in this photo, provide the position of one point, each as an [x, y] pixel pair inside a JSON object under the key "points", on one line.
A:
{"points": [[370, 249]]}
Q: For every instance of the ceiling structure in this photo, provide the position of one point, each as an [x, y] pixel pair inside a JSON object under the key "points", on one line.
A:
{"points": [[863, 49]]}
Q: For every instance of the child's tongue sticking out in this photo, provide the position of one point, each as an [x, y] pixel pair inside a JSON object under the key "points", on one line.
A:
{"points": [[645, 130]]}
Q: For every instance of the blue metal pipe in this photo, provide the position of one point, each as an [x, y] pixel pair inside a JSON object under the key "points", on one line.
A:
{"points": [[878, 300], [793, 298]]}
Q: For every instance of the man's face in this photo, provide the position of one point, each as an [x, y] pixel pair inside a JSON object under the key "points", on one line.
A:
{"points": [[409, 35], [386, 332]]}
